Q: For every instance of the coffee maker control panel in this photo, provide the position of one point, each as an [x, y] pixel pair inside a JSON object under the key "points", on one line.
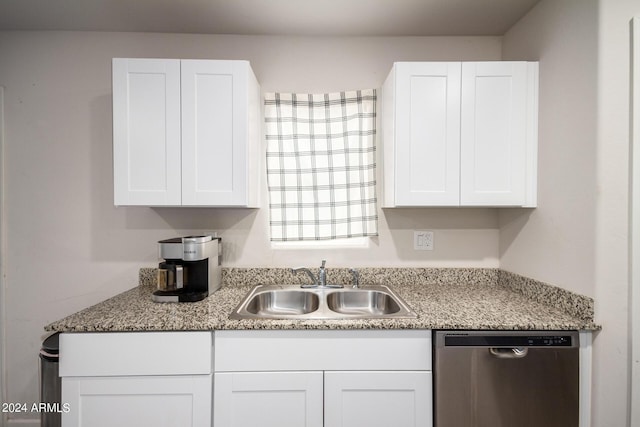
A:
{"points": [[191, 270], [194, 248]]}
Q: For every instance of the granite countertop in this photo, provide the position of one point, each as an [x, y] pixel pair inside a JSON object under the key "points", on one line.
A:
{"points": [[441, 298]]}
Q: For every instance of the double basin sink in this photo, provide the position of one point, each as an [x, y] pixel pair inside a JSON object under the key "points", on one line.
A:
{"points": [[294, 302]]}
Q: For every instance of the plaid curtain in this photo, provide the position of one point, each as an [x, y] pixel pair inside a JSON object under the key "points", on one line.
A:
{"points": [[321, 165]]}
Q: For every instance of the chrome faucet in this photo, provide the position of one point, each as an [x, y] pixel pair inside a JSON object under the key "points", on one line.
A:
{"points": [[320, 282], [314, 282], [322, 275], [356, 277]]}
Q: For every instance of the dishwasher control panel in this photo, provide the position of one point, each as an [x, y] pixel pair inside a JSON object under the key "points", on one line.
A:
{"points": [[487, 340]]}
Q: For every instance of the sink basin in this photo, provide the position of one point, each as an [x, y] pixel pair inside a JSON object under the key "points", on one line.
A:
{"points": [[283, 302], [366, 303], [293, 302]]}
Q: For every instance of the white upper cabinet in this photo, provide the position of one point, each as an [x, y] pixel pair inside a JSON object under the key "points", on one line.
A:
{"points": [[146, 132], [460, 134], [186, 133], [421, 113], [494, 134]]}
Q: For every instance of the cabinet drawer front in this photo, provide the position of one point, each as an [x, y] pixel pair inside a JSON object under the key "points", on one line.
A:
{"points": [[322, 350], [135, 353]]}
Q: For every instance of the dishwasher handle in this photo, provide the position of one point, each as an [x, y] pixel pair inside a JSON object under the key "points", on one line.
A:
{"points": [[509, 353]]}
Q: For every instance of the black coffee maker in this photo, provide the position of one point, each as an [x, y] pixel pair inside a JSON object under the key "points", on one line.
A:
{"points": [[191, 269]]}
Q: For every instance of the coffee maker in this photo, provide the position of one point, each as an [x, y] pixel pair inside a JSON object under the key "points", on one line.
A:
{"points": [[191, 269]]}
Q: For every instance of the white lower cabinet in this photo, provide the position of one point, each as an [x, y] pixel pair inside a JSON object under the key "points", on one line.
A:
{"points": [[159, 379], [268, 399], [316, 399], [322, 378], [138, 401], [279, 378], [377, 399]]}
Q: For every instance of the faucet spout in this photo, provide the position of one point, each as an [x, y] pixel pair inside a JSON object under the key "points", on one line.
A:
{"points": [[314, 282], [320, 282]]}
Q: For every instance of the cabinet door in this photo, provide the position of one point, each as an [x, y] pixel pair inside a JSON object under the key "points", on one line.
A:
{"points": [[493, 134], [214, 132], [146, 132], [378, 399], [427, 139], [268, 399], [137, 401]]}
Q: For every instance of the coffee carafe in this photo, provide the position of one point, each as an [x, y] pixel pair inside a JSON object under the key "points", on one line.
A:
{"points": [[191, 269]]}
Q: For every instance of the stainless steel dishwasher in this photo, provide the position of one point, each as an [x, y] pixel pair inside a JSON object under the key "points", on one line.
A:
{"points": [[506, 379]]}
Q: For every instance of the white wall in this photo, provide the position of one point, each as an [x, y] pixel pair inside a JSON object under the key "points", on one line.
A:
{"points": [[555, 242], [68, 247], [612, 238], [578, 237]]}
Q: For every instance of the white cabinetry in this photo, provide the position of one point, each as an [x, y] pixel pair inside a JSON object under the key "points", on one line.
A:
{"points": [[138, 401], [354, 399], [323, 378], [146, 132], [460, 134], [268, 399], [185, 132], [136, 379]]}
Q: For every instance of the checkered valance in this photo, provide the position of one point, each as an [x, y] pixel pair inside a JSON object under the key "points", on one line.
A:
{"points": [[321, 165]]}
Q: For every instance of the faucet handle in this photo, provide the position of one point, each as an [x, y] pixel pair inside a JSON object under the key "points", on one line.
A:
{"points": [[324, 261]]}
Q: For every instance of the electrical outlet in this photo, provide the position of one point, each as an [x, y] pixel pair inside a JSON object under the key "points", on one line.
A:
{"points": [[423, 240]]}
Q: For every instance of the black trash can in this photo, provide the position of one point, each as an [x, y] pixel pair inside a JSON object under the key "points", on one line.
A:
{"points": [[50, 385]]}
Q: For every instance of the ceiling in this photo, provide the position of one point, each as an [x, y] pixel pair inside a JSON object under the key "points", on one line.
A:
{"points": [[269, 17]]}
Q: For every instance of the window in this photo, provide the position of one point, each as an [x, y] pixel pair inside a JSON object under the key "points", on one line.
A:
{"points": [[321, 165]]}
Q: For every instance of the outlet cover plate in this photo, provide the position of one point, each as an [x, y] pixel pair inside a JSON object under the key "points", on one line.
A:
{"points": [[423, 240]]}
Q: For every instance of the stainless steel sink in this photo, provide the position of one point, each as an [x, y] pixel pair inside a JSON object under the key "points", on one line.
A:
{"points": [[283, 302], [293, 302], [366, 303]]}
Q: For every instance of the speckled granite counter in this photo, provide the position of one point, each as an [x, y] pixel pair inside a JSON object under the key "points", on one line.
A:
{"points": [[442, 299]]}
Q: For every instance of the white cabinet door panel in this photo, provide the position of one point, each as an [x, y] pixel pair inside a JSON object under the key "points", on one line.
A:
{"points": [[213, 170], [268, 399], [146, 131], [378, 399], [427, 133], [183, 401], [493, 133]]}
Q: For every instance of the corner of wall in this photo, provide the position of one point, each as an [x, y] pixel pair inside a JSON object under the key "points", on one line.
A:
{"points": [[3, 388]]}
